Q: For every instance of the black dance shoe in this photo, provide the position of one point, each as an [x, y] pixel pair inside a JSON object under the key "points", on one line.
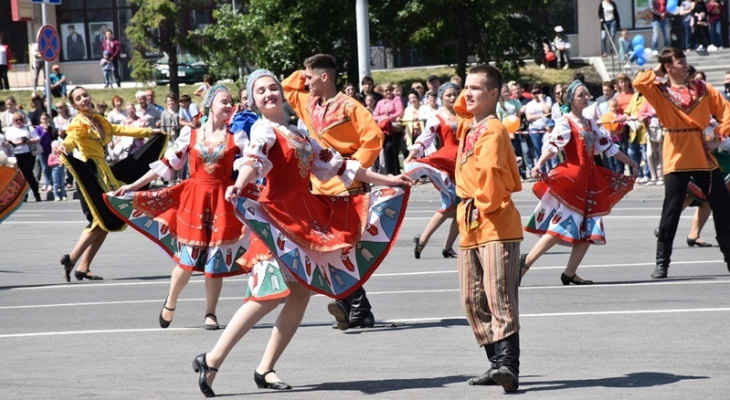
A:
{"points": [[567, 280], [260, 380], [68, 266], [213, 326], [163, 322], [199, 365], [695, 242], [449, 253], [80, 275], [419, 247]]}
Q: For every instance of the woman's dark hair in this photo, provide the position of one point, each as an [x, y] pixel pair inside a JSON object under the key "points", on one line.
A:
{"points": [[414, 92], [70, 94]]}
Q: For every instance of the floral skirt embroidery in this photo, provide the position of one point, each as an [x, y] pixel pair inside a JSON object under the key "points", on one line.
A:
{"points": [[553, 218], [13, 188]]}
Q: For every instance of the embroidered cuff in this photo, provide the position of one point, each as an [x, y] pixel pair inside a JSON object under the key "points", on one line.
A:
{"points": [[163, 168], [347, 171], [261, 165]]}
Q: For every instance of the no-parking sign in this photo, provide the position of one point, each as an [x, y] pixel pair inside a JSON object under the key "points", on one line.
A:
{"points": [[49, 44]]}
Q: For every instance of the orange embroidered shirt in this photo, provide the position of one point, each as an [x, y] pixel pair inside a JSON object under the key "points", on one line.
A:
{"points": [[486, 176], [341, 123], [683, 148]]}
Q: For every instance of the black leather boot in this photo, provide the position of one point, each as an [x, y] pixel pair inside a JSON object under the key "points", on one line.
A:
{"points": [[340, 309], [485, 379], [663, 255], [507, 358], [724, 242], [360, 314]]}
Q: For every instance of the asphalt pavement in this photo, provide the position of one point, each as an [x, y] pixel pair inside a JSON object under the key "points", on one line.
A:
{"points": [[627, 336]]}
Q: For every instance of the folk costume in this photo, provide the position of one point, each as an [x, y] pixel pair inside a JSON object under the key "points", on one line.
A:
{"points": [[192, 221], [439, 166], [685, 112], [331, 244], [577, 193], [346, 126], [13, 186], [491, 232], [90, 134]]}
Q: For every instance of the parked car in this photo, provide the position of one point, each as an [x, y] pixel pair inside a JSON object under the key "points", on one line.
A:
{"points": [[189, 70]]}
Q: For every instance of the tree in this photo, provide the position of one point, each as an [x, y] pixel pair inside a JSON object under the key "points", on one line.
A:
{"points": [[279, 35], [157, 26], [493, 30]]}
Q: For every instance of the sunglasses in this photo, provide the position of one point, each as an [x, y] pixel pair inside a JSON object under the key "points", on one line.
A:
{"points": [[18, 120]]}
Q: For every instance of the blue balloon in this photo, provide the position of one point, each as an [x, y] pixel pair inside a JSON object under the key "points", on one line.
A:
{"points": [[638, 40], [640, 61], [672, 7], [639, 49]]}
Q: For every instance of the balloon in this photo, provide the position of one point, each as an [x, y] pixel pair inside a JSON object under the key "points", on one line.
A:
{"points": [[647, 54], [607, 121], [512, 123], [638, 40], [672, 7], [640, 61], [639, 49]]}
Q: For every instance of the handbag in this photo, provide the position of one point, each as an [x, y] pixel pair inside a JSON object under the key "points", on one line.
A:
{"points": [[385, 126], [35, 148]]}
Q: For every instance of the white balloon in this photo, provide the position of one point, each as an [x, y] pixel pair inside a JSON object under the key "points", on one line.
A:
{"points": [[647, 54]]}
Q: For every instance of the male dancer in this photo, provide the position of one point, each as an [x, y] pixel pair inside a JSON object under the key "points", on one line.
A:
{"points": [[336, 121], [684, 108], [490, 227]]}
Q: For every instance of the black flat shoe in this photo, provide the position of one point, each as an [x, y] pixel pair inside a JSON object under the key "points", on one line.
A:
{"points": [[199, 365], [419, 247], [567, 280], [449, 253], [80, 275], [163, 322], [68, 266], [211, 327], [696, 242], [260, 380]]}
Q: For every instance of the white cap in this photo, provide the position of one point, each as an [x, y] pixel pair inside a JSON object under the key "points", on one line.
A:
{"points": [[558, 29]]}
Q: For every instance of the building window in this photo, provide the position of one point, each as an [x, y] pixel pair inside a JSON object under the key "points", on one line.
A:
{"points": [[82, 23]]}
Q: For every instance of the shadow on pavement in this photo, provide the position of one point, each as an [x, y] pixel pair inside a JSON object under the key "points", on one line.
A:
{"points": [[637, 379], [388, 385]]}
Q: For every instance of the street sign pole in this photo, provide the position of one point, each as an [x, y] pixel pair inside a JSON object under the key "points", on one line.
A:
{"points": [[49, 97]]}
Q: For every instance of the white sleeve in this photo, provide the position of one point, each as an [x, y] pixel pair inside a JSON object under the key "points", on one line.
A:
{"points": [[240, 138], [175, 157], [426, 138], [328, 163], [255, 153], [602, 143], [560, 136]]}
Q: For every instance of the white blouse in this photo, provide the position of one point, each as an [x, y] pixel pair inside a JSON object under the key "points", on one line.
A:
{"points": [[13, 133], [177, 153], [326, 165], [561, 134]]}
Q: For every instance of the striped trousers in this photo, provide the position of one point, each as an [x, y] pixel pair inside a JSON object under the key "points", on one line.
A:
{"points": [[488, 280]]}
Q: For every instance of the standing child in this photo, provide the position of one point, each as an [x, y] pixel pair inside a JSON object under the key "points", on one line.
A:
{"points": [[612, 123], [108, 68], [58, 172]]}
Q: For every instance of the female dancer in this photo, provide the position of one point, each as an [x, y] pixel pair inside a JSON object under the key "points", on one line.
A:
{"points": [[13, 185], [89, 133], [192, 221], [439, 167], [299, 232], [575, 194]]}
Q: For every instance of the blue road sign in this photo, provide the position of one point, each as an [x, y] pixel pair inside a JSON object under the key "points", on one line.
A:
{"points": [[54, 2], [49, 44]]}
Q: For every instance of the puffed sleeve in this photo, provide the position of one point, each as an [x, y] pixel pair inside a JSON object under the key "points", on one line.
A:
{"points": [[175, 157], [426, 138], [602, 142], [255, 153], [560, 136], [328, 163]]}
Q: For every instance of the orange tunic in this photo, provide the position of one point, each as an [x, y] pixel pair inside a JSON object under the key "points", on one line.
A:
{"points": [[684, 148], [342, 124], [486, 176]]}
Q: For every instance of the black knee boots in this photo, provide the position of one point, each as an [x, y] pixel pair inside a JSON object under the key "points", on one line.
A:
{"points": [[353, 311], [724, 242], [663, 255], [507, 360], [485, 379]]}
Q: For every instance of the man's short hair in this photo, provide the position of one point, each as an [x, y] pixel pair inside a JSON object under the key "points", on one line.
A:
{"points": [[172, 96], [433, 78], [494, 77], [140, 94], [185, 97], [367, 78], [609, 84], [578, 76], [321, 61], [665, 57]]}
